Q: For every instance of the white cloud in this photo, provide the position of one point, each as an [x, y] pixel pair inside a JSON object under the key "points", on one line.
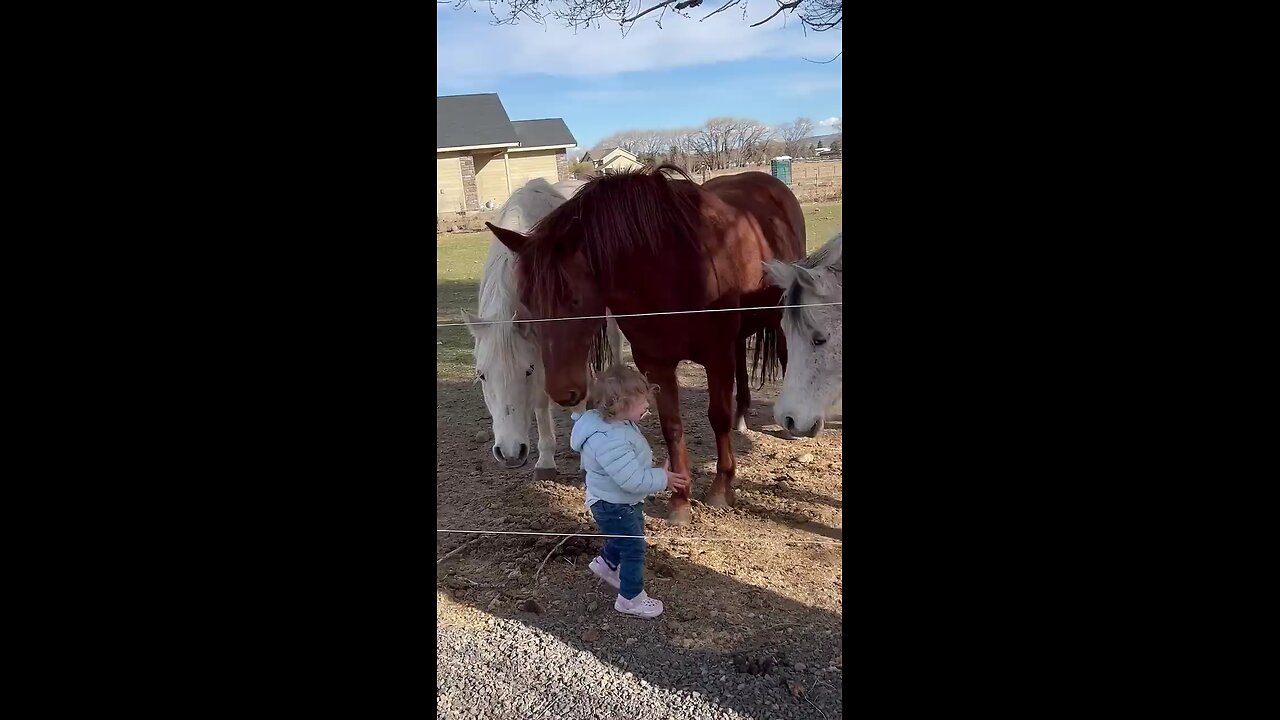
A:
{"points": [[606, 95], [829, 122], [469, 49]]}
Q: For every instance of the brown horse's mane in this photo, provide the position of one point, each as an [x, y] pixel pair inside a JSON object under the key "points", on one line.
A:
{"points": [[609, 218]]}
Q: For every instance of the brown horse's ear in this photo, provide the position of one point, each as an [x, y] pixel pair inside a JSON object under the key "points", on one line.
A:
{"points": [[513, 240]]}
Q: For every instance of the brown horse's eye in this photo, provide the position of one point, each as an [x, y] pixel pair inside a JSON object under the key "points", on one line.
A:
{"points": [[819, 339]]}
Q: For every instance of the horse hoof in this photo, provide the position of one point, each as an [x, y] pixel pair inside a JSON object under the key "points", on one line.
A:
{"points": [[717, 501], [741, 425], [680, 516], [544, 473]]}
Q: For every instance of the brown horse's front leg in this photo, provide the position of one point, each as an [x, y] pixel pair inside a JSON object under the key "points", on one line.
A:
{"points": [[720, 377], [663, 373]]}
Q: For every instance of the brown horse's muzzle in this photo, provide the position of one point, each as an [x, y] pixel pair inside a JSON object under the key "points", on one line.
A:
{"points": [[567, 399]]}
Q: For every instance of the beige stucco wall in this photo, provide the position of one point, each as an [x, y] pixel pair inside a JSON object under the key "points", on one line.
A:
{"points": [[449, 193], [526, 166], [491, 179]]}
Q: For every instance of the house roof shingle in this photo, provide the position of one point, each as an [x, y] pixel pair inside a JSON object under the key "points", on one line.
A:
{"points": [[540, 133], [470, 120]]}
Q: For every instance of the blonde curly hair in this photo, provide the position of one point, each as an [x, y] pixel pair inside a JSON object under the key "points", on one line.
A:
{"points": [[616, 387]]}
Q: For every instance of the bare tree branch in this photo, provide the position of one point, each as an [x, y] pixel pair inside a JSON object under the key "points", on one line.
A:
{"points": [[824, 62], [817, 15], [646, 12], [548, 557], [459, 549], [725, 6], [781, 6]]}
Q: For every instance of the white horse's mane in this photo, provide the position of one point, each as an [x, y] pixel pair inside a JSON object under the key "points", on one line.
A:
{"points": [[498, 298], [830, 254], [829, 257]]}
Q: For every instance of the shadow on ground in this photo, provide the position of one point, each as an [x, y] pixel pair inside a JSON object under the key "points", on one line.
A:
{"points": [[712, 616]]}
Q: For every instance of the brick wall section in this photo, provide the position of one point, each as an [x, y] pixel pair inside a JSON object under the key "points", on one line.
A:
{"points": [[469, 182], [562, 165]]}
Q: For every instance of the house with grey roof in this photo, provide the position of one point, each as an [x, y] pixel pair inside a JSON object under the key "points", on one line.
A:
{"points": [[482, 155], [614, 160]]}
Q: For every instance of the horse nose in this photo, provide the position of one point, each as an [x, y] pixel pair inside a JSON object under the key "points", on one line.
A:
{"points": [[789, 423], [512, 462], [573, 397]]}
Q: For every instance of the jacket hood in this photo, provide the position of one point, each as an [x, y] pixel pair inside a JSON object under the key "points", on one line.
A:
{"points": [[589, 424]]}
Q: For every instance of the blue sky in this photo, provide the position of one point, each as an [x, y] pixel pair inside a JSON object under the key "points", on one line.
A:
{"points": [[677, 76]]}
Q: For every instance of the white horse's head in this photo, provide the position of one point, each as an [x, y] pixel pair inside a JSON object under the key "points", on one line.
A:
{"points": [[815, 348], [508, 363], [508, 369]]}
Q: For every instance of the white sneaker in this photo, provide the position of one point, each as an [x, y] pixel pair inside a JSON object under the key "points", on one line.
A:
{"points": [[602, 570], [641, 606]]}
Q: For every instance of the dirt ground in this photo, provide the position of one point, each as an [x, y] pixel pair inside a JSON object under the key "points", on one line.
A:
{"points": [[755, 596]]}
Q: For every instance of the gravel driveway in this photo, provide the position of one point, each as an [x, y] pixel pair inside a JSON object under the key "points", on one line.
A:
{"points": [[512, 669]]}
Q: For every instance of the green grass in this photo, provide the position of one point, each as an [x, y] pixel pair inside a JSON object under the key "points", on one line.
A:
{"points": [[458, 263], [821, 225]]}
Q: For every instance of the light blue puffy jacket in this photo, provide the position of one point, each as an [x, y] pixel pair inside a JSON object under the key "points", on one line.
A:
{"points": [[617, 459]]}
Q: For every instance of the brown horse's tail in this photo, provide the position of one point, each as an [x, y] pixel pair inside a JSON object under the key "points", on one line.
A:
{"points": [[764, 350]]}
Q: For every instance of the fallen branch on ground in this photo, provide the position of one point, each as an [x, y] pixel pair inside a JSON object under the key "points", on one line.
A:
{"points": [[458, 549], [548, 557]]}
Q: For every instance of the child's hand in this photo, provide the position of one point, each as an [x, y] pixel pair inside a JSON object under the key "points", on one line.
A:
{"points": [[677, 482]]}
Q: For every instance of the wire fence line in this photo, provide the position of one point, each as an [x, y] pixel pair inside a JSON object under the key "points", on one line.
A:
{"points": [[645, 537], [567, 535], [628, 315]]}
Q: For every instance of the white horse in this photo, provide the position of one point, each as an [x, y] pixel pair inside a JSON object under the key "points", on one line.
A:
{"points": [[812, 386], [508, 362]]}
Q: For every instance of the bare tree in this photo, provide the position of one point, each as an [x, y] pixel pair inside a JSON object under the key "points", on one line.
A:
{"points": [[794, 133], [818, 15], [629, 140], [717, 140], [651, 145], [704, 144], [751, 140], [682, 145], [719, 143]]}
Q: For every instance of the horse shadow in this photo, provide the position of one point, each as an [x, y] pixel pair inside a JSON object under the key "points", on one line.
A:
{"points": [[784, 489], [714, 615], [701, 446]]}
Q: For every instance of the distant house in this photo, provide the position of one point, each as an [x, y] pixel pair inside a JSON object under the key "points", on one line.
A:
{"points": [[614, 160], [482, 155]]}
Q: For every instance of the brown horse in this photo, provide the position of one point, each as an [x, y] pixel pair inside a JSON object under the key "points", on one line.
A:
{"points": [[640, 243]]}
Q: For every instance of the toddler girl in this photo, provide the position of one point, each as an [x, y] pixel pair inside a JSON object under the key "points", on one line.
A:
{"points": [[620, 474]]}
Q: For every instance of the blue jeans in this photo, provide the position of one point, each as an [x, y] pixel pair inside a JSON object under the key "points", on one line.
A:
{"points": [[624, 553]]}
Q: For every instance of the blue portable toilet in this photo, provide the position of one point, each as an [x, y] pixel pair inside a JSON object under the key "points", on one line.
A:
{"points": [[781, 168]]}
